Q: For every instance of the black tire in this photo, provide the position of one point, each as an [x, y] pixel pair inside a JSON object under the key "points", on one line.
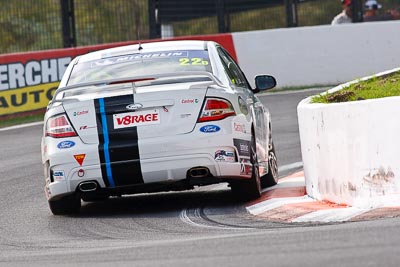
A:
{"points": [[271, 178], [249, 189], [66, 205]]}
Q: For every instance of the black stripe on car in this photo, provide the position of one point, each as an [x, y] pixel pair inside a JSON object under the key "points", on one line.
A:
{"points": [[118, 148]]}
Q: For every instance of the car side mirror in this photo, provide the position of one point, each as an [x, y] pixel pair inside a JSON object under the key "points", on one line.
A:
{"points": [[264, 82]]}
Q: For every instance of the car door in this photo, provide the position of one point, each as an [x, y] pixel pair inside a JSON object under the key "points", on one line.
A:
{"points": [[241, 85]]}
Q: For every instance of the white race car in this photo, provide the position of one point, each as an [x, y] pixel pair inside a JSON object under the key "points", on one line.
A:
{"points": [[155, 117]]}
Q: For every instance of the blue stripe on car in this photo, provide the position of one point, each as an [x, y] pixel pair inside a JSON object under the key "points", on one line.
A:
{"points": [[106, 142]]}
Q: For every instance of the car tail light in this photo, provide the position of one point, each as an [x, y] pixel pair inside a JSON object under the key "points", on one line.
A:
{"points": [[216, 109], [58, 126]]}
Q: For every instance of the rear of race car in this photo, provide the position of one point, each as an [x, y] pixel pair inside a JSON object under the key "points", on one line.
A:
{"points": [[146, 120], [154, 140]]}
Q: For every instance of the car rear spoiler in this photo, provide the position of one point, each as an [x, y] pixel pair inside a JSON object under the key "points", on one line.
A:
{"points": [[137, 79]]}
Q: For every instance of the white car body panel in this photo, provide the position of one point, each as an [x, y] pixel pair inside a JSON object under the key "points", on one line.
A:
{"points": [[83, 116]]}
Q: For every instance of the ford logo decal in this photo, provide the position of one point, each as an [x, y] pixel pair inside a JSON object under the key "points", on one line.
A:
{"points": [[210, 129], [65, 144], [134, 106]]}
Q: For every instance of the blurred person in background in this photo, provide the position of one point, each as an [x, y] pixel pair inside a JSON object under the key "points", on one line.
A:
{"points": [[371, 13], [345, 16]]}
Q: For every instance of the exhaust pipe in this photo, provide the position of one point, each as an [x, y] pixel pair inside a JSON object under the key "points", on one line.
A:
{"points": [[199, 172], [88, 186]]}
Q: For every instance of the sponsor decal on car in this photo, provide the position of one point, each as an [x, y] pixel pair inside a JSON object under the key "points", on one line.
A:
{"points": [[225, 156], [210, 129], [185, 116], [85, 127], [239, 127], [80, 158], [139, 118], [190, 101], [137, 57], [58, 175], [66, 144], [245, 167], [83, 112], [243, 147], [134, 106]]}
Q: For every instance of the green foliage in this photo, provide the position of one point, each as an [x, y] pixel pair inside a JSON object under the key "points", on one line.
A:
{"points": [[318, 13], [29, 25], [110, 21], [377, 87]]}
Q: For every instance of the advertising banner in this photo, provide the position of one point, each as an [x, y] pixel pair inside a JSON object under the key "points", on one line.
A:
{"points": [[28, 80]]}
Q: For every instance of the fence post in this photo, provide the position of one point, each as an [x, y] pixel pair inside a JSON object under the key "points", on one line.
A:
{"points": [[68, 23], [357, 11], [291, 13], [154, 24], [222, 25]]}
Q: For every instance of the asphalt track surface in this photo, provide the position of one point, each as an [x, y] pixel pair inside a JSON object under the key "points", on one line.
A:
{"points": [[204, 227]]}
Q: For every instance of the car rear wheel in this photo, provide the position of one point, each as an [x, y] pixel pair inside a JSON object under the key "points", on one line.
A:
{"points": [[249, 189], [271, 178], [66, 205]]}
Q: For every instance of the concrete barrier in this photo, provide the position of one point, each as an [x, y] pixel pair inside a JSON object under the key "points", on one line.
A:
{"points": [[351, 150], [324, 55]]}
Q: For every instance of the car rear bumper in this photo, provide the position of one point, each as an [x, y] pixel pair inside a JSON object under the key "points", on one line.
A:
{"points": [[164, 160]]}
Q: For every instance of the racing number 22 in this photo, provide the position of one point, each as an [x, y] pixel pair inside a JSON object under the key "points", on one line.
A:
{"points": [[192, 61]]}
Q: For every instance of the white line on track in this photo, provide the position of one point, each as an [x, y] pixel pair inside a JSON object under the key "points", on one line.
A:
{"points": [[21, 126], [274, 203], [331, 215]]}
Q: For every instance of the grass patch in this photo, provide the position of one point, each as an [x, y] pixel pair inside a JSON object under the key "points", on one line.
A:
{"points": [[377, 87], [21, 120]]}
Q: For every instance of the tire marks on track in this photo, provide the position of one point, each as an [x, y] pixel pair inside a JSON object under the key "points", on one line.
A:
{"points": [[196, 217]]}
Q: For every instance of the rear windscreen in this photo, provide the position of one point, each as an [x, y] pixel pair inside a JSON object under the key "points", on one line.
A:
{"points": [[140, 64]]}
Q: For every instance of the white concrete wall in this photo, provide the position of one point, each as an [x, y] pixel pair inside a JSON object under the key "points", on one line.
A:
{"points": [[320, 54], [351, 151]]}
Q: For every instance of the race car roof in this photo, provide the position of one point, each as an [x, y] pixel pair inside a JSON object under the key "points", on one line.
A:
{"points": [[145, 47]]}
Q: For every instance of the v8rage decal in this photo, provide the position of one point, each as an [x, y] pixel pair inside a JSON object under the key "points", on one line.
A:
{"points": [[138, 118]]}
